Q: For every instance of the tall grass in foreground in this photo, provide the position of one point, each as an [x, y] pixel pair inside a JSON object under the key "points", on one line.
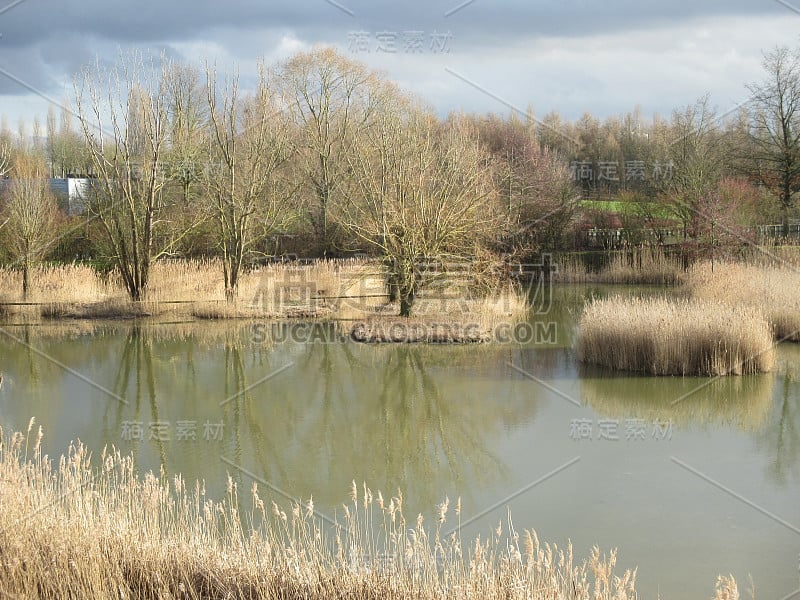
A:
{"points": [[71, 530], [643, 266], [675, 337], [770, 288]]}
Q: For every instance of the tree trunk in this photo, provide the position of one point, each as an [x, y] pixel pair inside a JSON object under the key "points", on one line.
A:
{"points": [[406, 303], [407, 292], [25, 279]]}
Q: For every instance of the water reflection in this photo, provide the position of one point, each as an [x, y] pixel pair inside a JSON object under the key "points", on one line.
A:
{"points": [[742, 402], [309, 417], [395, 416], [780, 437]]}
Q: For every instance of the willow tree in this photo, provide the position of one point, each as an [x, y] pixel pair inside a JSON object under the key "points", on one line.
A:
{"points": [[30, 212], [124, 117], [422, 193], [249, 144], [332, 101]]}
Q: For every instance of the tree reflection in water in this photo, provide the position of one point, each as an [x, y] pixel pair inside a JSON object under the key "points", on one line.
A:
{"points": [[780, 437], [387, 415]]}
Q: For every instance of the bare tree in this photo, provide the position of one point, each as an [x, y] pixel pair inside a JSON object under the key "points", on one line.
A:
{"points": [[249, 144], [30, 212], [422, 192], [64, 148], [188, 114], [5, 157], [696, 160], [774, 140], [332, 101], [124, 117]]}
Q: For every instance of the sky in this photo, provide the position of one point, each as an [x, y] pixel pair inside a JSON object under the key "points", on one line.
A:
{"points": [[572, 56]]}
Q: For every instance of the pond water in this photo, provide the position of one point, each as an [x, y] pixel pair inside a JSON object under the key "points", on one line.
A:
{"points": [[688, 477]]}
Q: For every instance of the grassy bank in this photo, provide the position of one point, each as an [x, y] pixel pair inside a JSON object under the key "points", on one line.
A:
{"points": [[449, 320], [675, 337], [74, 529], [771, 288]]}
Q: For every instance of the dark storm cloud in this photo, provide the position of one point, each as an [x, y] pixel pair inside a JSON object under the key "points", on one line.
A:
{"points": [[34, 21], [139, 22], [43, 42]]}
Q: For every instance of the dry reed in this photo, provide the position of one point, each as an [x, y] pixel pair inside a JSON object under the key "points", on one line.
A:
{"points": [[772, 289], [675, 337], [647, 266], [184, 287], [73, 529]]}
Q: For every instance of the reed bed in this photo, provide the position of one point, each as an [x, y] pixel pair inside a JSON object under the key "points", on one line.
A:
{"points": [[772, 256], [73, 529], [645, 266], [61, 283], [769, 288], [194, 288], [663, 336]]}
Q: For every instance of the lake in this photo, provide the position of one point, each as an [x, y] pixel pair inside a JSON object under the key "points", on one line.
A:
{"points": [[688, 477]]}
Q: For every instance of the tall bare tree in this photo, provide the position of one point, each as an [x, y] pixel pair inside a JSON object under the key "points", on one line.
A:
{"points": [[30, 212], [188, 114], [774, 140], [332, 101], [422, 192], [249, 143], [124, 117], [5, 156]]}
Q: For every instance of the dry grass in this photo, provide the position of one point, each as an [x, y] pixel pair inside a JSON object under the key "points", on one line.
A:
{"points": [[771, 289], [648, 266], [773, 256], [675, 337], [73, 529], [54, 284], [342, 289], [196, 288]]}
